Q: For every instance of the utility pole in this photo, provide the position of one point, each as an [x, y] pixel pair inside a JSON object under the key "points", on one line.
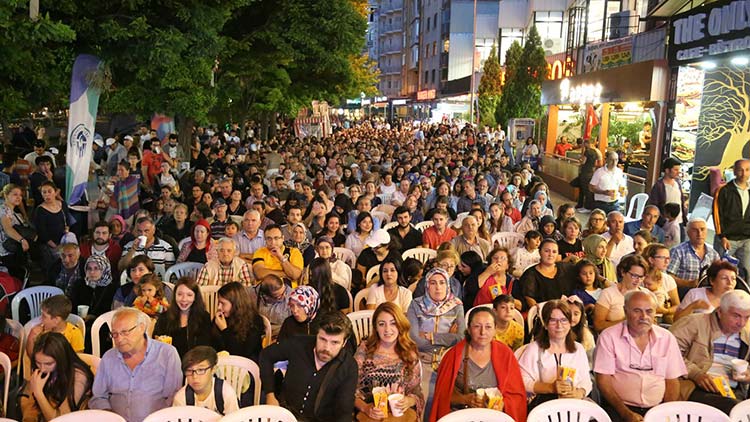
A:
{"points": [[473, 65]]}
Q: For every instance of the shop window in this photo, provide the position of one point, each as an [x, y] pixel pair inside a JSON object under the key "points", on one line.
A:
{"points": [[426, 76], [507, 36], [428, 24], [446, 45], [549, 24], [433, 76]]}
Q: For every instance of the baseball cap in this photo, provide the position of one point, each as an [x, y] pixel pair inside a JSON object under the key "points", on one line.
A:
{"points": [[39, 143], [110, 141], [379, 237], [99, 141], [128, 138], [219, 202]]}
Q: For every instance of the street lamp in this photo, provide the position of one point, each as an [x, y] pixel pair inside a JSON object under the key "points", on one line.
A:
{"points": [[473, 65]]}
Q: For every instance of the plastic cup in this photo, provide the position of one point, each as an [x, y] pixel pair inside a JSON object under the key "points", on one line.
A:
{"points": [[142, 241], [740, 365], [83, 311], [393, 400]]}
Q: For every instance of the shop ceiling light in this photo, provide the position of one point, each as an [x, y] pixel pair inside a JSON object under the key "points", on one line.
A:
{"points": [[708, 65], [740, 61]]}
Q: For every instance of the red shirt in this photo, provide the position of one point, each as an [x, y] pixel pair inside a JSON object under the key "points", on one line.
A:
{"points": [[433, 239], [561, 149], [514, 214], [152, 162]]}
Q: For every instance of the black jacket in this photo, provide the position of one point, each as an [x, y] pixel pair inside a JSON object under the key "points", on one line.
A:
{"points": [[728, 219]]}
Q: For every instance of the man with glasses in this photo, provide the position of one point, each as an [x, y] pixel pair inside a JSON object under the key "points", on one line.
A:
{"points": [[709, 343], [139, 375], [226, 268], [275, 258], [637, 363], [272, 297], [202, 388], [647, 222]]}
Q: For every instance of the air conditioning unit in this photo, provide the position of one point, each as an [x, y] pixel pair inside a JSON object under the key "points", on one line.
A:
{"points": [[622, 24], [552, 46]]}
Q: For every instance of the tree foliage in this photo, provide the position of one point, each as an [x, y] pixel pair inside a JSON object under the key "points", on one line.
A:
{"points": [[525, 70], [490, 88]]}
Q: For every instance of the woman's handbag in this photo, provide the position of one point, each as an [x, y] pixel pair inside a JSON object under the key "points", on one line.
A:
{"points": [[26, 231]]}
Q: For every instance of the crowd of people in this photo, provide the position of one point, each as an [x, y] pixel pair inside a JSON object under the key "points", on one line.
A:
{"points": [[290, 230]]}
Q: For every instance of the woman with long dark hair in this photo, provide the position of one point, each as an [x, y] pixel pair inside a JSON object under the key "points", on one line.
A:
{"points": [[333, 297], [60, 381], [238, 327], [390, 287], [186, 320]]}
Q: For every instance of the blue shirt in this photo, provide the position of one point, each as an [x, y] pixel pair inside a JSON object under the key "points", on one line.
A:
{"points": [[686, 264], [247, 245], [633, 227], [135, 394]]}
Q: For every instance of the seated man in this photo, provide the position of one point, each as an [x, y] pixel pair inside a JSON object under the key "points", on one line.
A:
{"points": [[688, 258], [637, 363], [469, 239], [69, 270], [202, 388], [226, 268], [55, 311], [275, 258], [272, 297], [317, 365], [438, 234], [139, 375], [709, 343], [618, 243], [101, 243], [647, 222], [159, 250], [408, 236]]}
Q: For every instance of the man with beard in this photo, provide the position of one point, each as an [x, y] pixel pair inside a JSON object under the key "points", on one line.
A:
{"points": [[321, 377], [101, 243], [407, 235]]}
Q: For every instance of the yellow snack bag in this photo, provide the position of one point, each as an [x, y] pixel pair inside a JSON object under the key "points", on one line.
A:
{"points": [[722, 384], [566, 374], [380, 399]]}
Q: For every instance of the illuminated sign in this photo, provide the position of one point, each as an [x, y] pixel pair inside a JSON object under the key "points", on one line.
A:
{"points": [[427, 94], [398, 102], [366, 102], [581, 94], [381, 99], [558, 69]]}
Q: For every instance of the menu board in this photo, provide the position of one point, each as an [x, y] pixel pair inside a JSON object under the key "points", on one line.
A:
{"points": [[687, 112]]}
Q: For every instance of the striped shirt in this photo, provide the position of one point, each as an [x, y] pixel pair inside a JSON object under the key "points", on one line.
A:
{"points": [[126, 195], [686, 264], [248, 245], [160, 252]]}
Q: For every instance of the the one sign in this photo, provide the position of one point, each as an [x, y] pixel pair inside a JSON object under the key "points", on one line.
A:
{"points": [[580, 94], [709, 31]]}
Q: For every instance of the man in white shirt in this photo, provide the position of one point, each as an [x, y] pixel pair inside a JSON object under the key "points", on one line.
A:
{"points": [[608, 185], [618, 243], [201, 386]]}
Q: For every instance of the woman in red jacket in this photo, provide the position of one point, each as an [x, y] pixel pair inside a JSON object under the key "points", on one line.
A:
{"points": [[479, 362]]}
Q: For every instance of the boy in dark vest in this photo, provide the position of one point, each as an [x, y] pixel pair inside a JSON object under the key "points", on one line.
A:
{"points": [[203, 389]]}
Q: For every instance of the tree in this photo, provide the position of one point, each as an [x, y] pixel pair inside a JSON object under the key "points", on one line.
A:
{"points": [[490, 89], [37, 61], [525, 70]]}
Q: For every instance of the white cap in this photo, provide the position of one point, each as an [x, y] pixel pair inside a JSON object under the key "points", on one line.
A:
{"points": [[99, 141], [110, 141], [128, 138], [378, 237]]}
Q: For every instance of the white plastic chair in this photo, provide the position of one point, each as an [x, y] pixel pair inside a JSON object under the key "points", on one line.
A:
{"points": [[7, 368], [72, 318], [391, 225], [476, 415], [533, 312], [741, 412], [468, 313], [421, 254], [34, 296], [7, 420], [123, 277], [189, 269], [361, 323], [210, 298], [459, 219], [182, 243], [91, 360], [183, 413], [15, 329], [90, 415], [683, 411], [346, 255], [386, 208], [508, 240], [105, 318], [637, 204], [383, 217], [424, 225], [373, 274], [359, 298], [268, 336], [568, 410], [262, 413], [235, 370]]}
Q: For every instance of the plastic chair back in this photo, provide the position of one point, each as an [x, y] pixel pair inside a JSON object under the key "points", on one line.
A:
{"points": [[91, 360], [189, 269], [476, 415], [359, 298], [235, 370], [424, 225], [568, 410], [508, 240], [262, 413], [685, 411], [183, 414], [373, 274], [7, 368], [346, 255], [740, 412], [105, 318], [468, 313], [268, 331], [210, 298], [361, 323], [15, 329], [34, 297], [421, 254], [90, 415], [636, 206], [391, 225]]}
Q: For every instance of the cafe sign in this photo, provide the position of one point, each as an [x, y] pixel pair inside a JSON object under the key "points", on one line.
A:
{"points": [[709, 31]]}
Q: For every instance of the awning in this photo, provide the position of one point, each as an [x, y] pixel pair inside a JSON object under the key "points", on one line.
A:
{"points": [[667, 8]]}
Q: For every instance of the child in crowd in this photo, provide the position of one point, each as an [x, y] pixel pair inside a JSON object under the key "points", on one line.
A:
{"points": [[548, 228], [528, 255], [202, 388], [589, 284], [654, 282], [579, 325], [672, 226], [150, 296], [231, 229], [55, 311], [507, 331]]}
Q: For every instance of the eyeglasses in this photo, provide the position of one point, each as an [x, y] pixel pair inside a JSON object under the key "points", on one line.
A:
{"points": [[447, 266], [638, 367], [116, 334], [197, 371], [558, 321], [637, 276]]}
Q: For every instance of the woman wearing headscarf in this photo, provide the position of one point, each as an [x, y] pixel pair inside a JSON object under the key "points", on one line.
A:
{"points": [[341, 272], [303, 305], [97, 289], [595, 250], [437, 323], [299, 240], [119, 228], [532, 218], [198, 248]]}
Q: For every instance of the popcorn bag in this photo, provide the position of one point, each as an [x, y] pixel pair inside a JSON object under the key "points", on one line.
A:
{"points": [[566, 374], [380, 398], [164, 339], [493, 396], [722, 384]]}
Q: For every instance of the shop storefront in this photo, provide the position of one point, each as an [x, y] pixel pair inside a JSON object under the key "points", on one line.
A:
{"points": [[621, 109], [709, 117]]}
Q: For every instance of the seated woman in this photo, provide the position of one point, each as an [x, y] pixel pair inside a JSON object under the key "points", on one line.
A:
{"points": [[186, 320], [448, 260], [238, 327], [495, 280], [659, 282], [570, 246], [139, 266], [531, 220], [597, 223], [381, 247], [299, 241], [198, 248], [479, 362], [332, 295], [595, 250], [609, 308], [554, 349], [97, 289], [388, 358], [60, 381], [389, 287], [722, 277], [548, 279], [363, 229], [341, 272]]}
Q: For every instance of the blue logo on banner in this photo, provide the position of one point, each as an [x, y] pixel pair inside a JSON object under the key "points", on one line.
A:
{"points": [[79, 137]]}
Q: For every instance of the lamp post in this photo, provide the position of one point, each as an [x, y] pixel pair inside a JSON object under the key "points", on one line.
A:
{"points": [[473, 65]]}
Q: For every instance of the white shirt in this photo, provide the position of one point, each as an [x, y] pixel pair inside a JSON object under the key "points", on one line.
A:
{"points": [[673, 195], [620, 249], [541, 366], [744, 197], [376, 296], [604, 179]]}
